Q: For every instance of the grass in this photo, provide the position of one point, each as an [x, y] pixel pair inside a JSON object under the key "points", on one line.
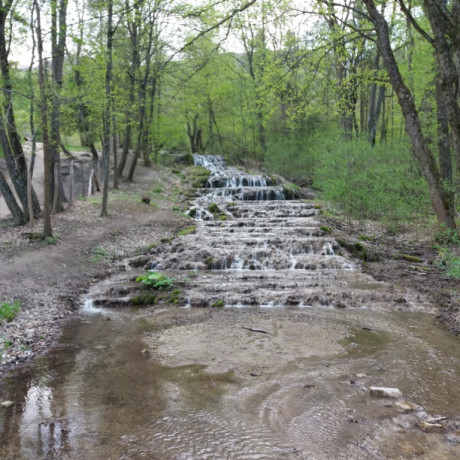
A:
{"points": [[99, 254], [8, 311], [187, 231]]}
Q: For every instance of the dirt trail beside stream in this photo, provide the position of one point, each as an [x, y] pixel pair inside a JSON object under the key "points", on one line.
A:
{"points": [[47, 279]]}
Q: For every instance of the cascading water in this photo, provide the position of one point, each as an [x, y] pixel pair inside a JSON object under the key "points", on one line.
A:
{"points": [[264, 378], [253, 247]]}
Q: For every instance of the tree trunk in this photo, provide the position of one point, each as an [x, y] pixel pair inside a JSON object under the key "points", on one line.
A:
{"points": [[442, 205], [10, 141], [444, 46], [445, 156], [115, 153], [107, 112], [47, 230], [16, 212]]}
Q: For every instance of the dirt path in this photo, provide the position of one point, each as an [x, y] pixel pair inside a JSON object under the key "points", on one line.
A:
{"points": [[47, 277]]}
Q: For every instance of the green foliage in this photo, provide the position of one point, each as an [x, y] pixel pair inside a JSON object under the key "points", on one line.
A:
{"points": [[187, 230], [369, 183], [8, 311], [52, 239], [174, 296], [156, 280], [449, 262], [445, 236], [218, 303]]}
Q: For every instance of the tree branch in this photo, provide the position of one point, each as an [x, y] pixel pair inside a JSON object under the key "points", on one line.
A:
{"points": [[414, 23]]}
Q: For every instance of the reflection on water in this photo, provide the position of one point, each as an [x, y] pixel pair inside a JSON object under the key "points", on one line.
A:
{"points": [[97, 396]]}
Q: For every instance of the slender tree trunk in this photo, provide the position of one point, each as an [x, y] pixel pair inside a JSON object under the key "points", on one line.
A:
{"points": [[115, 153], [58, 39], [47, 230], [442, 205], [107, 112]]}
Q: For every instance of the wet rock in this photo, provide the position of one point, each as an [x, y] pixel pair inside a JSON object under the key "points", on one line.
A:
{"points": [[406, 406], [453, 437], [385, 392], [6, 404], [431, 427]]}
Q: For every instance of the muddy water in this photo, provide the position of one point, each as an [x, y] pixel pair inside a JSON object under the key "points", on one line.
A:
{"points": [[282, 371], [100, 395]]}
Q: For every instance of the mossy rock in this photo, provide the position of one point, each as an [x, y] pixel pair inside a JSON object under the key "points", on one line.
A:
{"points": [[292, 191], [360, 251], [209, 263], [144, 299], [217, 304], [199, 176], [410, 258], [213, 208]]}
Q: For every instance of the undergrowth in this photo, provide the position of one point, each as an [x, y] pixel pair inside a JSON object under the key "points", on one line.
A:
{"points": [[8, 311]]}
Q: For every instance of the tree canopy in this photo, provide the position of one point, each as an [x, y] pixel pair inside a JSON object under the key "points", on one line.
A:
{"points": [[359, 99]]}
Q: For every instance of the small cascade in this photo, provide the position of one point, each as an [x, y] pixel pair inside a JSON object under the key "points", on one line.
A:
{"points": [[228, 181], [261, 250]]}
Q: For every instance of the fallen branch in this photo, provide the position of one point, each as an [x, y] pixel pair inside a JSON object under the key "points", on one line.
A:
{"points": [[255, 330]]}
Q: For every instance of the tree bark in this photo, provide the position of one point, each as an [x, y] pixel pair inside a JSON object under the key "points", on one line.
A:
{"points": [[442, 205], [47, 230], [107, 112], [446, 38], [16, 211], [58, 38], [11, 143]]}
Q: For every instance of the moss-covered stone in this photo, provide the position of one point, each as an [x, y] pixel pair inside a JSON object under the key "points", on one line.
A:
{"points": [[359, 250], [218, 303], [144, 299], [410, 258], [213, 208], [199, 176]]}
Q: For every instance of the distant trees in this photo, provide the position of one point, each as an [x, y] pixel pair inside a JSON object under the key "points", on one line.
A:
{"points": [[257, 80]]}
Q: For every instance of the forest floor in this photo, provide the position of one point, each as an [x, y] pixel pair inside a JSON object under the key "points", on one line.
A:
{"points": [[48, 276], [408, 256]]}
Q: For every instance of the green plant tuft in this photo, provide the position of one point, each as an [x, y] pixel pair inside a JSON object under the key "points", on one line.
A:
{"points": [[156, 280], [8, 311], [187, 230]]}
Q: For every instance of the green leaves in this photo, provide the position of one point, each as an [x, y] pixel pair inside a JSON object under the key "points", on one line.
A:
{"points": [[156, 280]]}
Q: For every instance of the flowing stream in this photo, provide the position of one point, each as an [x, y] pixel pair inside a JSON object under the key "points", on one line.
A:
{"points": [[269, 353]]}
